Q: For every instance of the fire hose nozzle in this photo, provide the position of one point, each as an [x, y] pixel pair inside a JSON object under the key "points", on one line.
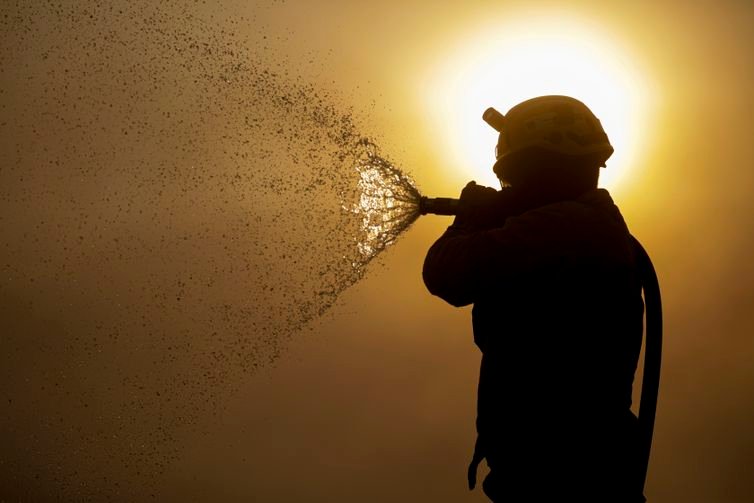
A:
{"points": [[439, 205]]}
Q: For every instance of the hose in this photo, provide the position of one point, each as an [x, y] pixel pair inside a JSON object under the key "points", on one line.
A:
{"points": [[650, 384]]}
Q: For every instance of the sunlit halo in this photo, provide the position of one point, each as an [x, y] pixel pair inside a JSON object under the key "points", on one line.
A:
{"points": [[507, 63]]}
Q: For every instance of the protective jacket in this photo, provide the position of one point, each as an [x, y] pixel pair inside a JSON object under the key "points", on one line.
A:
{"points": [[558, 317]]}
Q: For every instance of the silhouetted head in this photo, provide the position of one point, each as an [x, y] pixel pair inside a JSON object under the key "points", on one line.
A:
{"points": [[550, 144]]}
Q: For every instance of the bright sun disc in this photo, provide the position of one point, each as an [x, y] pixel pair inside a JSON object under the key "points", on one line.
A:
{"points": [[514, 61]]}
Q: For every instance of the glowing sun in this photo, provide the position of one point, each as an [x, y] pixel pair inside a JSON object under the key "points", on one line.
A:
{"points": [[506, 63]]}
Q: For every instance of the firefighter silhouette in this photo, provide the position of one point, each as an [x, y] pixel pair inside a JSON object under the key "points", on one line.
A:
{"points": [[556, 282]]}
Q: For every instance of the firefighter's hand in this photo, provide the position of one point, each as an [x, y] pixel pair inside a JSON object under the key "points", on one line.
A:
{"points": [[478, 207], [477, 195]]}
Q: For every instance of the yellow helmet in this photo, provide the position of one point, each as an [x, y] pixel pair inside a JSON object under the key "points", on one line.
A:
{"points": [[558, 125]]}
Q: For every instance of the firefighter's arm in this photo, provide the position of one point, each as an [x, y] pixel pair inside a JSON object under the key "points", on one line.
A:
{"points": [[450, 268], [463, 263]]}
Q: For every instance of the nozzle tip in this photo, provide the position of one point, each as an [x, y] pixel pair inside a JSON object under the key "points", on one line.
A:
{"points": [[423, 205]]}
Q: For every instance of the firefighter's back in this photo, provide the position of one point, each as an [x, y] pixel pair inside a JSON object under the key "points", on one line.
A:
{"points": [[560, 335]]}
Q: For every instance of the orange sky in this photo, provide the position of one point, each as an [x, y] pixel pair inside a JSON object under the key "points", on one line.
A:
{"points": [[376, 400]]}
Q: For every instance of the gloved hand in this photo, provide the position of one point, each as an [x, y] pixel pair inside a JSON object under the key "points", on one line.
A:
{"points": [[481, 207]]}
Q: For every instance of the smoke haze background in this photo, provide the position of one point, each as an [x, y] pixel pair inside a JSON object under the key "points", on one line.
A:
{"points": [[165, 227]]}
